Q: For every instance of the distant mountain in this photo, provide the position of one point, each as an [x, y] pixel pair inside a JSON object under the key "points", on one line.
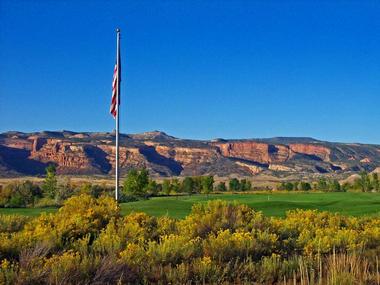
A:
{"points": [[164, 155]]}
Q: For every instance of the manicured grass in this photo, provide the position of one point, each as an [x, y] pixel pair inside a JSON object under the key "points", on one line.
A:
{"points": [[33, 212], [355, 204], [271, 204]]}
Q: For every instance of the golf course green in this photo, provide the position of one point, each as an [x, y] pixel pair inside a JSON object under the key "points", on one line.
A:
{"points": [[271, 204]]}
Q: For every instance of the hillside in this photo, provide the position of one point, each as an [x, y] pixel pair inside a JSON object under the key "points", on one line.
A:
{"points": [[163, 155]]}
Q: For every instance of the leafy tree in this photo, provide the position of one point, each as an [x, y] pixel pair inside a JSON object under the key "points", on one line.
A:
{"points": [[304, 186], [289, 186], [175, 186], [188, 185], [197, 184], [166, 187], [152, 188], [234, 184], [136, 182], [29, 192], [49, 186], [64, 190], [281, 186], [322, 184], [375, 182], [335, 186], [245, 185], [143, 178], [345, 187], [363, 183], [16, 201], [207, 184], [221, 187]]}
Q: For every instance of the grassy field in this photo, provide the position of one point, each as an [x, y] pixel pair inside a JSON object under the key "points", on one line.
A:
{"points": [[276, 204]]}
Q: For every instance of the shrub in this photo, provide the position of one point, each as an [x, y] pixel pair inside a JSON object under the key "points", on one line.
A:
{"points": [[219, 215], [83, 214], [17, 195], [88, 242], [12, 223]]}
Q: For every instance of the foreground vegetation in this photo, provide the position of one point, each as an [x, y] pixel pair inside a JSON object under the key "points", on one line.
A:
{"points": [[88, 241]]}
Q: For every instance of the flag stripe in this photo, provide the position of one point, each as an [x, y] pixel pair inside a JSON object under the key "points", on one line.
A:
{"points": [[115, 82]]}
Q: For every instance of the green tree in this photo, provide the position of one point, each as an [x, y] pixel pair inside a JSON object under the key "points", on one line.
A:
{"points": [[245, 185], [234, 184], [197, 184], [345, 187], [136, 182], [152, 188], [305, 186], [29, 192], [175, 186], [335, 186], [207, 184], [64, 190], [363, 183], [281, 186], [221, 187], [289, 186], [322, 185], [188, 185], [375, 182], [166, 187], [49, 186]]}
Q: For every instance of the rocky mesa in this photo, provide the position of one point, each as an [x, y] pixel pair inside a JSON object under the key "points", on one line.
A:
{"points": [[163, 155]]}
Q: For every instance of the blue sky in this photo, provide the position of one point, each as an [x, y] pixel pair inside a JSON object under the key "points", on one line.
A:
{"points": [[194, 69]]}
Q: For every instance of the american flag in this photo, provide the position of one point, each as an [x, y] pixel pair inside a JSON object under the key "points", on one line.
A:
{"points": [[115, 91]]}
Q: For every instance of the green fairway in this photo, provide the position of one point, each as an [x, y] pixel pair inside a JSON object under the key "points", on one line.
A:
{"points": [[33, 212], [271, 204], [277, 204]]}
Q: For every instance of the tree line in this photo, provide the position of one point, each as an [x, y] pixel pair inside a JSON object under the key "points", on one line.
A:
{"points": [[365, 183], [138, 184]]}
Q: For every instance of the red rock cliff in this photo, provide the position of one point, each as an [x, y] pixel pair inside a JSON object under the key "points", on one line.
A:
{"points": [[254, 151]]}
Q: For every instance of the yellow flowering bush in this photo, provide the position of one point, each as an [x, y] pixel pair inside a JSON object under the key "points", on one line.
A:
{"points": [[88, 242], [220, 215], [8, 272], [83, 214], [172, 249], [12, 223]]}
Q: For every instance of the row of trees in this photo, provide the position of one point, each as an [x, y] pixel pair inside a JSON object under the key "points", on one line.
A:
{"points": [[321, 185], [365, 183], [54, 191], [138, 184]]}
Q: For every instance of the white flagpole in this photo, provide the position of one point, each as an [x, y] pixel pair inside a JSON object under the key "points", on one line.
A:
{"points": [[117, 115]]}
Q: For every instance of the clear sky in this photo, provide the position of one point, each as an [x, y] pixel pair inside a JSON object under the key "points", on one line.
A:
{"points": [[194, 69]]}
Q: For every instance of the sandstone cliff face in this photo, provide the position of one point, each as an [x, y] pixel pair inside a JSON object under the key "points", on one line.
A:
{"points": [[18, 143], [309, 149], [94, 153], [69, 157], [187, 156], [253, 151]]}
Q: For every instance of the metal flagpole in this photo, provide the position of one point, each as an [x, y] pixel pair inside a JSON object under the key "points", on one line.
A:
{"points": [[117, 114]]}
